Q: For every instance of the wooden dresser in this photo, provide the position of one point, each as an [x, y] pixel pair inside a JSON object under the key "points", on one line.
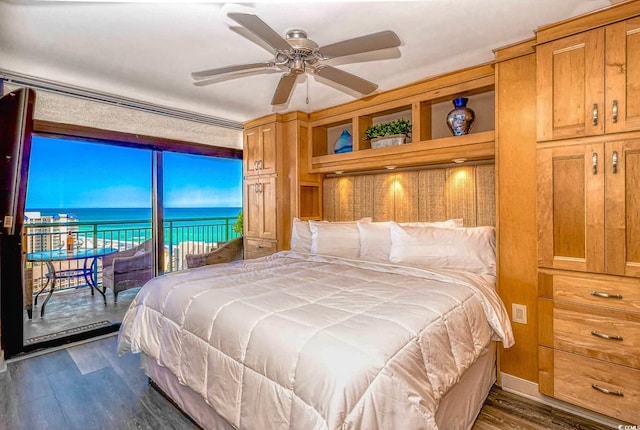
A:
{"points": [[588, 211]]}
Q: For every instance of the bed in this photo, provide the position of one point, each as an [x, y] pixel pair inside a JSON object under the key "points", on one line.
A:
{"points": [[361, 326]]}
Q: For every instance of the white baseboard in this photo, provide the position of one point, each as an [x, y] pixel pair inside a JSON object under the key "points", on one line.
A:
{"points": [[529, 390]]}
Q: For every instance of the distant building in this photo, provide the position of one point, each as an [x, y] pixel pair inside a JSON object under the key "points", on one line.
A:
{"points": [[49, 237]]}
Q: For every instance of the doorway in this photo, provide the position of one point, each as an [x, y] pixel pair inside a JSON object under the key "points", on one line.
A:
{"points": [[86, 204]]}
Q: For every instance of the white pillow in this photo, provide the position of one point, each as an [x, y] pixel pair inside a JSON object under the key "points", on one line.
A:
{"points": [[375, 238], [340, 239], [472, 249], [300, 236]]}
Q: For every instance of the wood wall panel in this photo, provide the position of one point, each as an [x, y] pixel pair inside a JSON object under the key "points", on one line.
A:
{"points": [[407, 196], [432, 205], [344, 199], [517, 229], [383, 199], [422, 195], [363, 187], [329, 188], [485, 195], [461, 194]]}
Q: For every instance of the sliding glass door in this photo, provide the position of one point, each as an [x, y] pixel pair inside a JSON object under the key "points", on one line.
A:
{"points": [[85, 223], [87, 235], [202, 199]]}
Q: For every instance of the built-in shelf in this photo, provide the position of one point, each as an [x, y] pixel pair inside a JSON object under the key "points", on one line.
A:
{"points": [[475, 146]]}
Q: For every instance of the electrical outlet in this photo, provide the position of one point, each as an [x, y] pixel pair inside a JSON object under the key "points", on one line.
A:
{"points": [[519, 313]]}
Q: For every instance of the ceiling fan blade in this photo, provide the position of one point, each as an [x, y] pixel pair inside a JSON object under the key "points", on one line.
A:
{"points": [[260, 29], [370, 42], [284, 89], [204, 74], [346, 79]]}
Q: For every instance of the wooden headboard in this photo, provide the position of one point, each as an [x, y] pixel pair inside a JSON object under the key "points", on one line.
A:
{"points": [[437, 194]]}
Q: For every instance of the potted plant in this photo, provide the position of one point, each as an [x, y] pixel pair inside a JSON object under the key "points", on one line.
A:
{"points": [[389, 133], [238, 225]]}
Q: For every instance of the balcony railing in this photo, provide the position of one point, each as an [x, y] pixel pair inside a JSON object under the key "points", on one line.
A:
{"points": [[182, 236]]}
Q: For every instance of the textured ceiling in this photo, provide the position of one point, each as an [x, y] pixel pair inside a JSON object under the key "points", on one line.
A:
{"points": [[146, 50]]}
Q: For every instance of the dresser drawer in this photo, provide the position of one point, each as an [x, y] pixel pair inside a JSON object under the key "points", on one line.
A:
{"points": [[600, 333], [607, 388], [611, 294], [256, 248]]}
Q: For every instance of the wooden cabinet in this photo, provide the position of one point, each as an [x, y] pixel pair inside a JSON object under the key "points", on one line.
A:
{"points": [[589, 207], [260, 150], [588, 210], [260, 181], [590, 341], [277, 184], [589, 83]]}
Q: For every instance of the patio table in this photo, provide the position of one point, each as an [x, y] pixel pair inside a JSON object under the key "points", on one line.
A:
{"points": [[88, 271]]}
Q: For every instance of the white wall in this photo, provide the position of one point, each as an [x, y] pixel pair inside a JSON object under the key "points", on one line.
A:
{"points": [[72, 110]]}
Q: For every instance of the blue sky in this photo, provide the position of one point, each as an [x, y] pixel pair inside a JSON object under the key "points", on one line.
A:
{"points": [[74, 174]]}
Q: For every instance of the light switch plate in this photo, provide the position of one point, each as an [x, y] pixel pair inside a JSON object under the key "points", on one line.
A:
{"points": [[519, 313]]}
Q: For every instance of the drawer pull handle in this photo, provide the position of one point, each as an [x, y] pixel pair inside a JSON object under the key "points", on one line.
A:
{"points": [[614, 111], [594, 114], [259, 246], [605, 391], [594, 163], [605, 336], [614, 162], [606, 295]]}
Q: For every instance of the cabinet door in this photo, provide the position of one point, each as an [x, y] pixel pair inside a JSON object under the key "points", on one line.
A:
{"points": [[267, 163], [570, 79], [267, 194], [622, 208], [260, 150], [252, 208], [570, 207], [260, 207], [623, 76], [251, 151]]}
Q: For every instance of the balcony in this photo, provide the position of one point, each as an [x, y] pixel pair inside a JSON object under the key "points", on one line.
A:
{"points": [[71, 293]]}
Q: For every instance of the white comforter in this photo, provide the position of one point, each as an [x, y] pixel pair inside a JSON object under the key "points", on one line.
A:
{"points": [[300, 341]]}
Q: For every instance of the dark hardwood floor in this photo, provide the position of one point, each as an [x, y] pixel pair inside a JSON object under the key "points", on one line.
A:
{"points": [[88, 387]]}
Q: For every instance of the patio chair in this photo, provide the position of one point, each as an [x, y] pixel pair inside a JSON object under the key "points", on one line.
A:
{"points": [[127, 269], [230, 251]]}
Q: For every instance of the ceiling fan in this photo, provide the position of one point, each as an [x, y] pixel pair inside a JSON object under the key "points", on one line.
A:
{"points": [[297, 54]]}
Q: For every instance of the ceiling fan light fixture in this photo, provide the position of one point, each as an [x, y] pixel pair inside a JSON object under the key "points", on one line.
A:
{"points": [[299, 54], [296, 65]]}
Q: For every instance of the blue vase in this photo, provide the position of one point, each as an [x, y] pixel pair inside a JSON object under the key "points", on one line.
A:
{"points": [[344, 143], [461, 117]]}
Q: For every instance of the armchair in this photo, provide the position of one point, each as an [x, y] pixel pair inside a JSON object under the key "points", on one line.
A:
{"points": [[230, 251], [127, 269]]}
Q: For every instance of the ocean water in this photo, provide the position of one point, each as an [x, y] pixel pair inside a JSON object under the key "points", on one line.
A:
{"points": [[127, 226], [137, 214]]}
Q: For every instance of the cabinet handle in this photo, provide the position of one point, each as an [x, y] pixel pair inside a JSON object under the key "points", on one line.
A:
{"points": [[595, 114], [594, 163], [259, 164], [614, 162], [255, 188], [614, 111], [259, 246], [605, 336], [606, 295], [259, 187], [255, 165], [605, 391]]}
